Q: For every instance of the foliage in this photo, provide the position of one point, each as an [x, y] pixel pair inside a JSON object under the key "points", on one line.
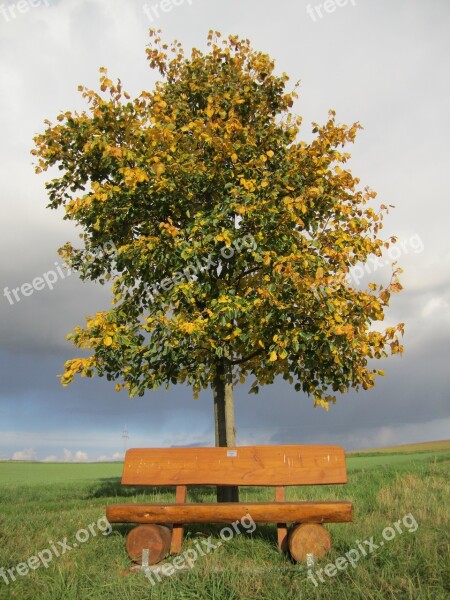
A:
{"points": [[181, 172]]}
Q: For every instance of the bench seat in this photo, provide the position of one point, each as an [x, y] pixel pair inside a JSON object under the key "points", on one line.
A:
{"points": [[224, 512]]}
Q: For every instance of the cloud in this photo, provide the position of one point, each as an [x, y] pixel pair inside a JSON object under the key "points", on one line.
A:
{"points": [[68, 455], [27, 454], [373, 437], [117, 456], [31, 454], [79, 456], [51, 458]]}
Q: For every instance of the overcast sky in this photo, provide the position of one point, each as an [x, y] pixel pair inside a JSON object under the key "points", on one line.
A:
{"points": [[383, 63]]}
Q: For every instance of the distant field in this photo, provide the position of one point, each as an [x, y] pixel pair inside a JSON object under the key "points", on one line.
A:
{"points": [[43, 473], [40, 502], [438, 446], [29, 473]]}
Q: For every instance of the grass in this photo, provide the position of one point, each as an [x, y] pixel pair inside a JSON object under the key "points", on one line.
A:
{"points": [[437, 446], [40, 503], [37, 473]]}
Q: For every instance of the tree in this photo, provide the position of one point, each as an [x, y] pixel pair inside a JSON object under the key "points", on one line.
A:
{"points": [[207, 171]]}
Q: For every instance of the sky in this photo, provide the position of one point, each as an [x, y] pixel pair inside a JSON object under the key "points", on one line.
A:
{"points": [[382, 63]]}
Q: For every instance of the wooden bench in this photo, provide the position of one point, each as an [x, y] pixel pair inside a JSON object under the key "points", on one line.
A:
{"points": [[277, 466]]}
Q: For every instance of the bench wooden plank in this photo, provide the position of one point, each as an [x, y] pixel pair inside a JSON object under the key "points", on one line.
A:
{"points": [[260, 512], [242, 465]]}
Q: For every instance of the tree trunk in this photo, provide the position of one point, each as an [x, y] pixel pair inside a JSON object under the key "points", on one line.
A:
{"points": [[224, 420]]}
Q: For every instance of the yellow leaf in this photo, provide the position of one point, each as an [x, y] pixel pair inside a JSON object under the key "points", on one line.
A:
{"points": [[270, 153], [273, 356], [189, 327], [158, 169], [321, 402], [108, 340]]}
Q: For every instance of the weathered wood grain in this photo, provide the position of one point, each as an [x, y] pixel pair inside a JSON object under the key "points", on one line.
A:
{"points": [[245, 465], [225, 512]]}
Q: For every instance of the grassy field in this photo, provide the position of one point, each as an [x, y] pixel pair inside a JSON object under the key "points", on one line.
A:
{"points": [[437, 446], [42, 504]]}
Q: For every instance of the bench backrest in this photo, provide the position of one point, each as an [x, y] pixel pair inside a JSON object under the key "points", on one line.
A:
{"points": [[241, 465]]}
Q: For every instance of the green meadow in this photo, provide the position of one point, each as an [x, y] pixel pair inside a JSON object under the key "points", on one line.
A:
{"points": [[43, 504]]}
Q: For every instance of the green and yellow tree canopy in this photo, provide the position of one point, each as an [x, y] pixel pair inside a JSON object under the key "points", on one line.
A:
{"points": [[208, 169]]}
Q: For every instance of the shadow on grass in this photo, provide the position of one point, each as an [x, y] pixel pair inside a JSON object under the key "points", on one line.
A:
{"points": [[192, 532], [266, 532], [112, 487]]}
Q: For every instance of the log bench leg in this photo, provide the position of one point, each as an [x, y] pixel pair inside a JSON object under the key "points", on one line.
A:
{"points": [[154, 538], [308, 539], [282, 537], [177, 538]]}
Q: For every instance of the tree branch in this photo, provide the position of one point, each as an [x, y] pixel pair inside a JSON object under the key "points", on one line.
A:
{"points": [[246, 358]]}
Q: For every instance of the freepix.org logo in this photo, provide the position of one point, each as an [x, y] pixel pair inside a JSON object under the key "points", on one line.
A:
{"points": [[191, 272], [189, 557], [48, 279], [12, 11]]}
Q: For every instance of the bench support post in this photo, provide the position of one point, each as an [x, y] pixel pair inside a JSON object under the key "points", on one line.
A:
{"points": [[177, 532], [281, 527]]}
